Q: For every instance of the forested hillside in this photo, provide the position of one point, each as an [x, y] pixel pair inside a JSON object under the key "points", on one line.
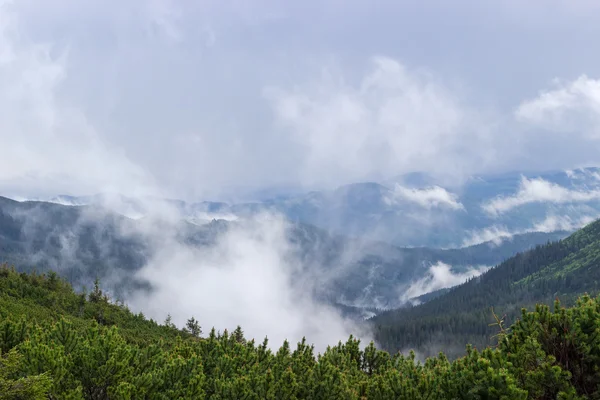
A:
{"points": [[561, 270], [57, 344]]}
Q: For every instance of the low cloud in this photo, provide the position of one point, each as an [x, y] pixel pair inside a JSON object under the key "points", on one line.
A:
{"points": [[429, 197], [572, 108], [583, 174], [538, 191], [440, 276], [493, 234], [250, 272], [496, 235], [249, 277], [554, 223]]}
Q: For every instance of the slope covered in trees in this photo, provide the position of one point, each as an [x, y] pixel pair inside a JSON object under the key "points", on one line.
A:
{"points": [[57, 344], [562, 269]]}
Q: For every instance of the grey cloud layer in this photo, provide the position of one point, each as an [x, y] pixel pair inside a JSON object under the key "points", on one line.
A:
{"points": [[196, 99]]}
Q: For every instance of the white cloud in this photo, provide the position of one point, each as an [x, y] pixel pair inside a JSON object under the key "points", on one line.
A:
{"points": [[393, 120], [48, 143], [538, 191], [572, 108], [173, 92], [249, 278], [493, 234], [429, 197], [551, 223], [554, 223], [440, 276], [584, 174]]}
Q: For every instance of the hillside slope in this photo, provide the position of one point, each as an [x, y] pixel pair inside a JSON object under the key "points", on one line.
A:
{"points": [[55, 343], [561, 269]]}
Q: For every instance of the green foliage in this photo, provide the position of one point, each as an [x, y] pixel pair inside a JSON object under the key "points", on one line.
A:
{"points": [[546, 354], [46, 298], [15, 386]]}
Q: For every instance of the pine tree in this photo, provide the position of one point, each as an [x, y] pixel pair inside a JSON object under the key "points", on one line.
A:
{"points": [[192, 326], [238, 335], [96, 295], [169, 322]]}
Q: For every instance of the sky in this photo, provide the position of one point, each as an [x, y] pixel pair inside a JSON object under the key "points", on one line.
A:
{"points": [[206, 99]]}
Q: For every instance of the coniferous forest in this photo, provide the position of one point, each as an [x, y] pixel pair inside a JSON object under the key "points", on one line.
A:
{"points": [[465, 314], [58, 344]]}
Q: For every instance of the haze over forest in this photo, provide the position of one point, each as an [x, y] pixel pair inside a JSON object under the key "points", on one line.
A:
{"points": [[292, 168]]}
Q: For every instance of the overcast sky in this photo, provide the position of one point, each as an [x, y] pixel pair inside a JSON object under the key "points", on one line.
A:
{"points": [[194, 99]]}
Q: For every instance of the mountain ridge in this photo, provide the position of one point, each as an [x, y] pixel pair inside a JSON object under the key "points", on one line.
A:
{"points": [[415, 211]]}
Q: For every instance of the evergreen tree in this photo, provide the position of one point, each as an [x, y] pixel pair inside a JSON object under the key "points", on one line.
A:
{"points": [[169, 322], [96, 295], [193, 327]]}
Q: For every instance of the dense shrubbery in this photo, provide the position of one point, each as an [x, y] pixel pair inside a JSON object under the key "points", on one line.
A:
{"points": [[59, 345]]}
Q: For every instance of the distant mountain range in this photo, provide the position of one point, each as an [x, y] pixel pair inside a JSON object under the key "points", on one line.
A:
{"points": [[412, 210], [85, 242]]}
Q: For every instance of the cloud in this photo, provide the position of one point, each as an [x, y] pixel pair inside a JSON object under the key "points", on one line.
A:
{"points": [[251, 278], [49, 144], [494, 234], [429, 197], [440, 276], [208, 99], [554, 223], [583, 174], [571, 108], [538, 191], [395, 119], [551, 223]]}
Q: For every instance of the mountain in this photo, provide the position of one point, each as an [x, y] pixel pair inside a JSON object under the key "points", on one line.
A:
{"points": [[416, 210], [562, 269], [87, 242], [413, 210]]}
